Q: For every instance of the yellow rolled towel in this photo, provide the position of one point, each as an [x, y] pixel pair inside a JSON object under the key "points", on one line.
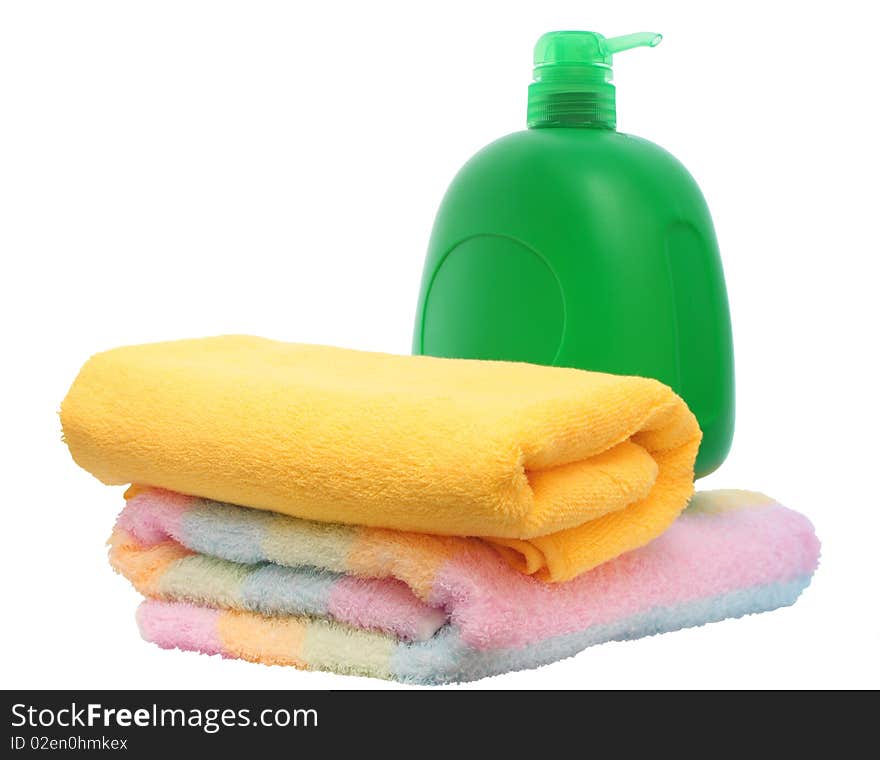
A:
{"points": [[561, 469]]}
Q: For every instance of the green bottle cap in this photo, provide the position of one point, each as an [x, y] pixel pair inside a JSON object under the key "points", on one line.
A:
{"points": [[572, 78]]}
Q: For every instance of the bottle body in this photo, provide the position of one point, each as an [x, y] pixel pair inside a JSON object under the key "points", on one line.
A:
{"points": [[584, 248]]}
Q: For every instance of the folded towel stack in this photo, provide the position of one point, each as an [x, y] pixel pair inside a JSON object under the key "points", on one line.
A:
{"points": [[427, 520]]}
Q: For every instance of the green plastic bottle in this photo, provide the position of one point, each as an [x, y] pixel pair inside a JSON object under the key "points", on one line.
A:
{"points": [[575, 245]]}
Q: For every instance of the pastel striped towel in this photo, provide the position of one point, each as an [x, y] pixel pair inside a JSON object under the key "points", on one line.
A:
{"points": [[266, 587]]}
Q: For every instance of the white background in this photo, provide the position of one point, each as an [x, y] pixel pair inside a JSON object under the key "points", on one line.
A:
{"points": [[179, 169]]}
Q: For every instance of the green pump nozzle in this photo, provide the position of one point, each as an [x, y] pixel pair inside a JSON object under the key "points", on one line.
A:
{"points": [[572, 78], [630, 41]]}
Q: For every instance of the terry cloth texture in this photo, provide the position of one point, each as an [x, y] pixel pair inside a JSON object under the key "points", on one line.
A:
{"points": [[561, 469], [223, 579]]}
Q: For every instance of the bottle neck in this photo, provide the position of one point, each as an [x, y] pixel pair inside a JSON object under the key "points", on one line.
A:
{"points": [[572, 96]]}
